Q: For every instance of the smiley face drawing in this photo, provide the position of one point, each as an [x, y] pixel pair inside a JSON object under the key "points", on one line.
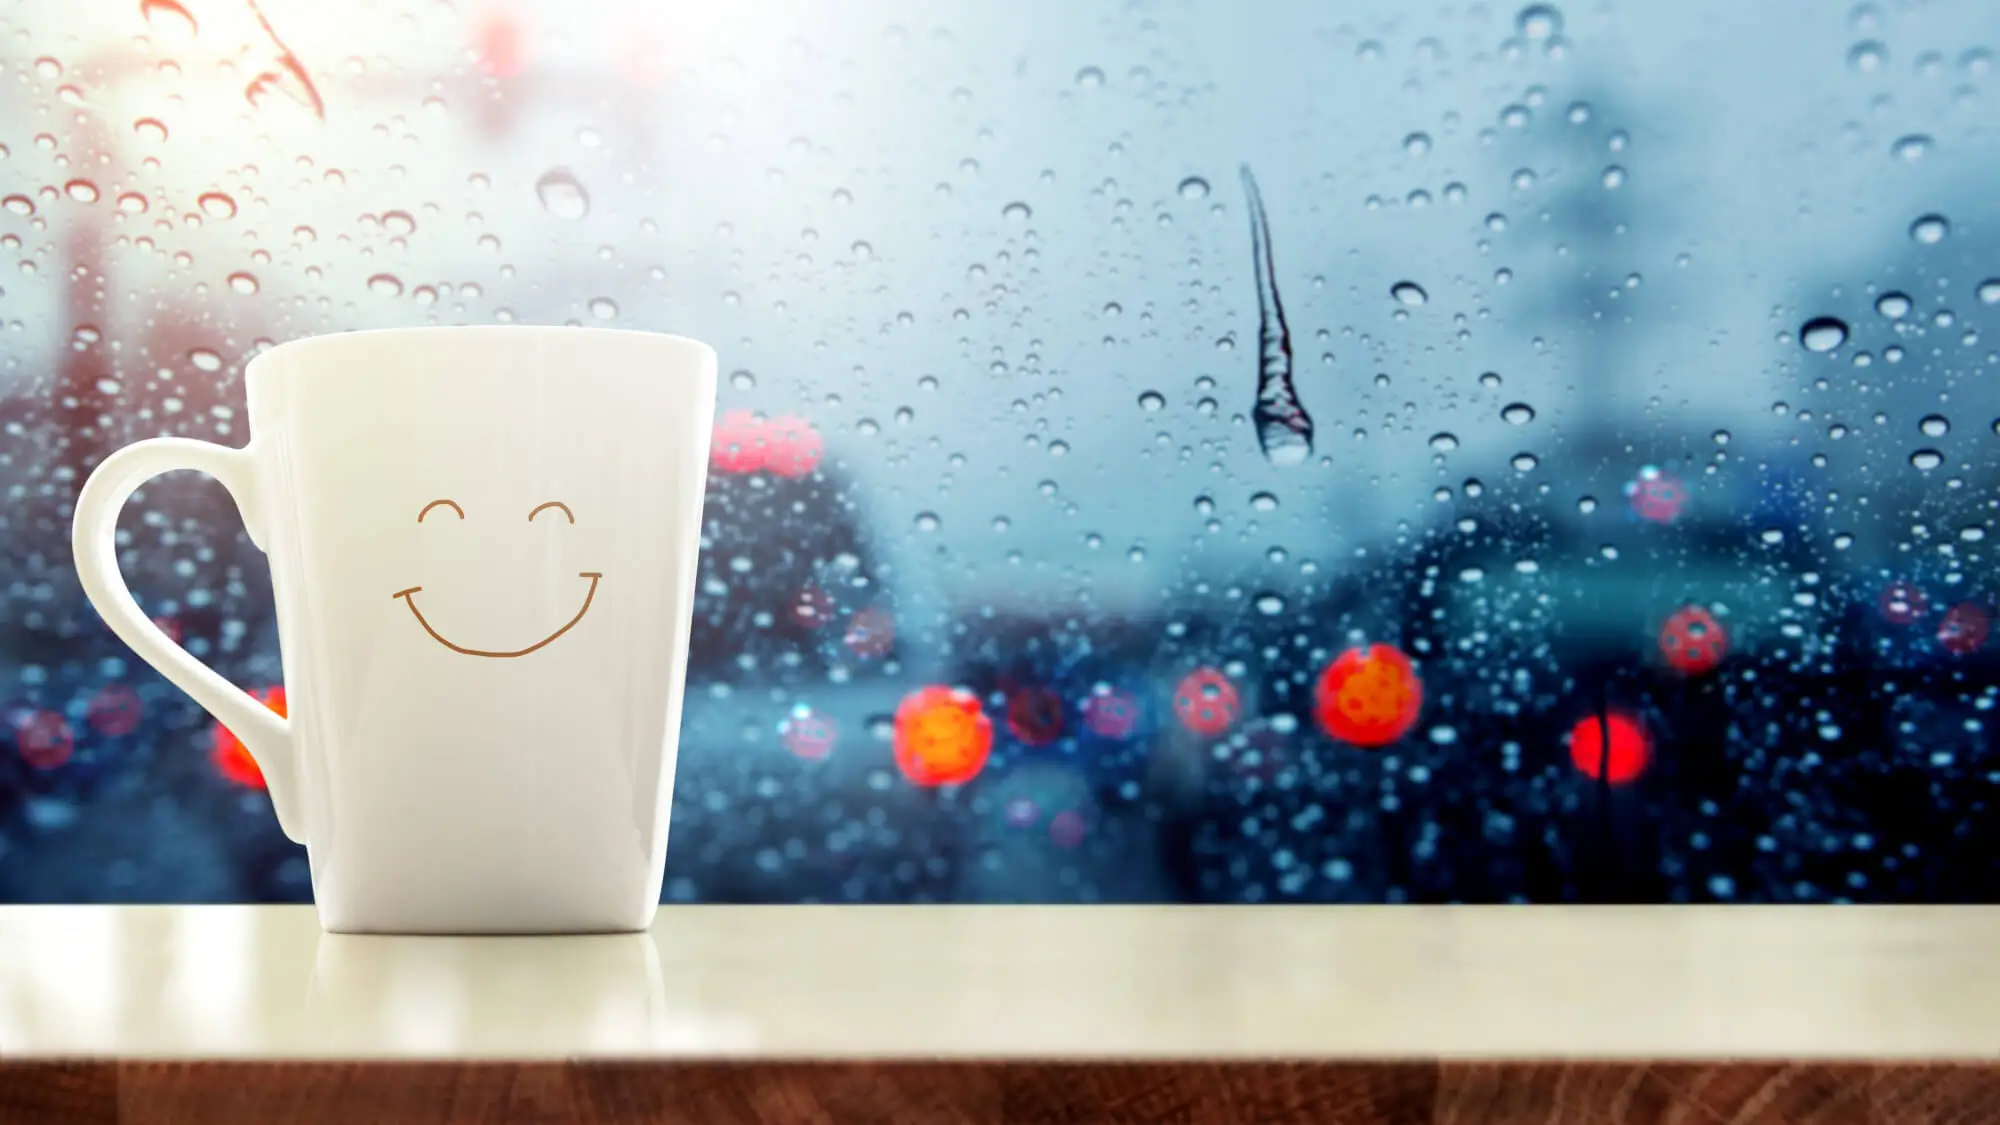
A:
{"points": [[408, 596]]}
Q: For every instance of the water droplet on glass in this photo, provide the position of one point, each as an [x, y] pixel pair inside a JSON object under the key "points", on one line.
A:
{"points": [[1518, 413], [1151, 401], [1194, 187], [1893, 304], [1989, 291], [48, 67], [18, 204], [205, 359], [1930, 229], [1823, 334], [1935, 425], [1926, 459], [1090, 78], [1496, 222], [1017, 211], [1409, 293], [1264, 502], [927, 521], [168, 17], [1270, 605], [83, 191], [1614, 177], [244, 283], [1867, 56], [150, 129], [1539, 21], [386, 285], [1489, 379], [217, 205], [1444, 442], [132, 203], [603, 308], [742, 380], [398, 223], [1284, 429], [1912, 148], [1586, 504], [1417, 144], [1525, 462], [562, 194]]}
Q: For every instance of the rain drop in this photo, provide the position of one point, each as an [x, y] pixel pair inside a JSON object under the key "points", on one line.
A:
{"points": [[1912, 148], [398, 223], [927, 521], [1409, 293], [603, 308], [1444, 442], [1930, 229], [1893, 304], [1489, 379], [1614, 177], [1823, 334], [1539, 21], [168, 16], [1270, 605], [1867, 56], [1989, 291], [1926, 459], [150, 129], [205, 359], [1935, 425], [1525, 462], [742, 380], [1089, 78], [83, 191], [217, 205], [1264, 502], [1017, 211], [243, 282], [1152, 401], [1518, 413], [386, 285], [1194, 187], [132, 203], [562, 194], [1417, 144]]}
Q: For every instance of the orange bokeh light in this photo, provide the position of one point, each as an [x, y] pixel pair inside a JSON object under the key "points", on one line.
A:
{"points": [[232, 758], [943, 736], [1369, 696]]}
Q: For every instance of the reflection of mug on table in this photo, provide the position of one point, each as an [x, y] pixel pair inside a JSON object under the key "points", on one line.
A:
{"points": [[486, 996], [482, 545]]}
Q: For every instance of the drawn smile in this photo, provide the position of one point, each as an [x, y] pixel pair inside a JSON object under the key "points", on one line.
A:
{"points": [[410, 600]]}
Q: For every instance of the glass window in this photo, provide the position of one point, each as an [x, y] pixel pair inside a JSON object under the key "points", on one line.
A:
{"points": [[1167, 452]]}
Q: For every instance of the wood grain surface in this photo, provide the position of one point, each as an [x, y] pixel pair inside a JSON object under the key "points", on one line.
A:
{"points": [[1000, 1093]]}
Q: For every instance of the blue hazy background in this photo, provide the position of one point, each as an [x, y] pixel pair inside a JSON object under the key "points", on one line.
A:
{"points": [[999, 258]]}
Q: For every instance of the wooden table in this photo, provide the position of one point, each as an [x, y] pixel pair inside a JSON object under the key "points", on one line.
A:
{"points": [[217, 1015]]}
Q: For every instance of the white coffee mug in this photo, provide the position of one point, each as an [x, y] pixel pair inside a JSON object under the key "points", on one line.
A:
{"points": [[482, 545]]}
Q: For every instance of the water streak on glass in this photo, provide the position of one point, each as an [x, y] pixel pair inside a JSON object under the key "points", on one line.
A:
{"points": [[1284, 429]]}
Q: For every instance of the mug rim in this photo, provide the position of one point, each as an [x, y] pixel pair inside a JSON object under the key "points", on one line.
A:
{"points": [[363, 337]]}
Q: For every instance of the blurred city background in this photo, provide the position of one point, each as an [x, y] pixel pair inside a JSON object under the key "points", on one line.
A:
{"points": [[1168, 450]]}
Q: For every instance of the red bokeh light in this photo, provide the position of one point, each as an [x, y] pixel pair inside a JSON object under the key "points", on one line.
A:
{"points": [[501, 42], [115, 710], [1067, 828], [943, 736], [1627, 756], [232, 759], [1111, 713], [871, 633], [1693, 641], [1034, 715], [793, 447], [1369, 696], [809, 735], [1206, 702], [813, 607], [1903, 602], [1963, 630], [43, 739], [741, 443], [1657, 496]]}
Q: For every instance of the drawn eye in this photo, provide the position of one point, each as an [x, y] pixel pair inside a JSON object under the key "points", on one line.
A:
{"points": [[540, 508], [452, 504]]}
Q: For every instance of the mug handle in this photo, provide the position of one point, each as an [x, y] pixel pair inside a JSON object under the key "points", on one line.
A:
{"points": [[93, 541]]}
